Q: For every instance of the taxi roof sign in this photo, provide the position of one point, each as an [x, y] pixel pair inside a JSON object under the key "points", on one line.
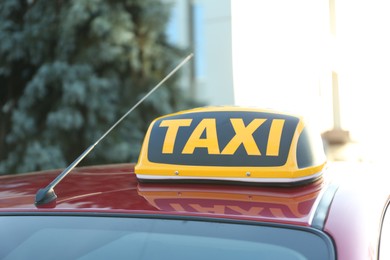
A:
{"points": [[230, 144]]}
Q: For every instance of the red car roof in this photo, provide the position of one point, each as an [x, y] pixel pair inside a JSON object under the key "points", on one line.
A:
{"points": [[350, 214], [115, 188]]}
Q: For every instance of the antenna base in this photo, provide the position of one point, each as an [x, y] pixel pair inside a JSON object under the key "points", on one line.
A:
{"points": [[45, 196]]}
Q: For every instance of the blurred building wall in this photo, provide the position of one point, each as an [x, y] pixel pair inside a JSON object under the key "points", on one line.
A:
{"points": [[204, 27]]}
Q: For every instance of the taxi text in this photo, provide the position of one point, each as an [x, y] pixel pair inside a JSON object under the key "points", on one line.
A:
{"points": [[205, 136]]}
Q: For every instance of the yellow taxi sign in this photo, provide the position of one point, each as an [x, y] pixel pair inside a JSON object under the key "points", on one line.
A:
{"points": [[230, 144]]}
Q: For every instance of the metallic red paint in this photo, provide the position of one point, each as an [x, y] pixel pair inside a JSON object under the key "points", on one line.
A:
{"points": [[115, 189], [353, 220]]}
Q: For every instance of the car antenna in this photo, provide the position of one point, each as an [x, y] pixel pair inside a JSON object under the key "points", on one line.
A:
{"points": [[47, 194]]}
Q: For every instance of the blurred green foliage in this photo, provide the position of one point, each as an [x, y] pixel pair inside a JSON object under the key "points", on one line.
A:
{"points": [[70, 69]]}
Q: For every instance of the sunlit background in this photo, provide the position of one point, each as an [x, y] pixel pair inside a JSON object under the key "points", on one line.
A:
{"points": [[286, 59], [327, 59]]}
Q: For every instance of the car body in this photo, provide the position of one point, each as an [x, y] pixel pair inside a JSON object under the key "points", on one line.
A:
{"points": [[106, 211]]}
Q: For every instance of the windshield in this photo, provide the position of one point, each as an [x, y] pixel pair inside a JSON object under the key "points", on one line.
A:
{"points": [[87, 237]]}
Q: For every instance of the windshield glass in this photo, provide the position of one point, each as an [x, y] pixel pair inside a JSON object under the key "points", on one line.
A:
{"points": [[72, 237]]}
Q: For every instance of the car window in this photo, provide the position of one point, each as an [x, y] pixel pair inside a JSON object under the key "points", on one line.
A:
{"points": [[66, 237]]}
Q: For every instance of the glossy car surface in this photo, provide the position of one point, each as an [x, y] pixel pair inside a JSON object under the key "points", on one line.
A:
{"points": [[339, 209]]}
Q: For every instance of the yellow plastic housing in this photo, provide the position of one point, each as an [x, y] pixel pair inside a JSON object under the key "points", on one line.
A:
{"points": [[230, 144]]}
